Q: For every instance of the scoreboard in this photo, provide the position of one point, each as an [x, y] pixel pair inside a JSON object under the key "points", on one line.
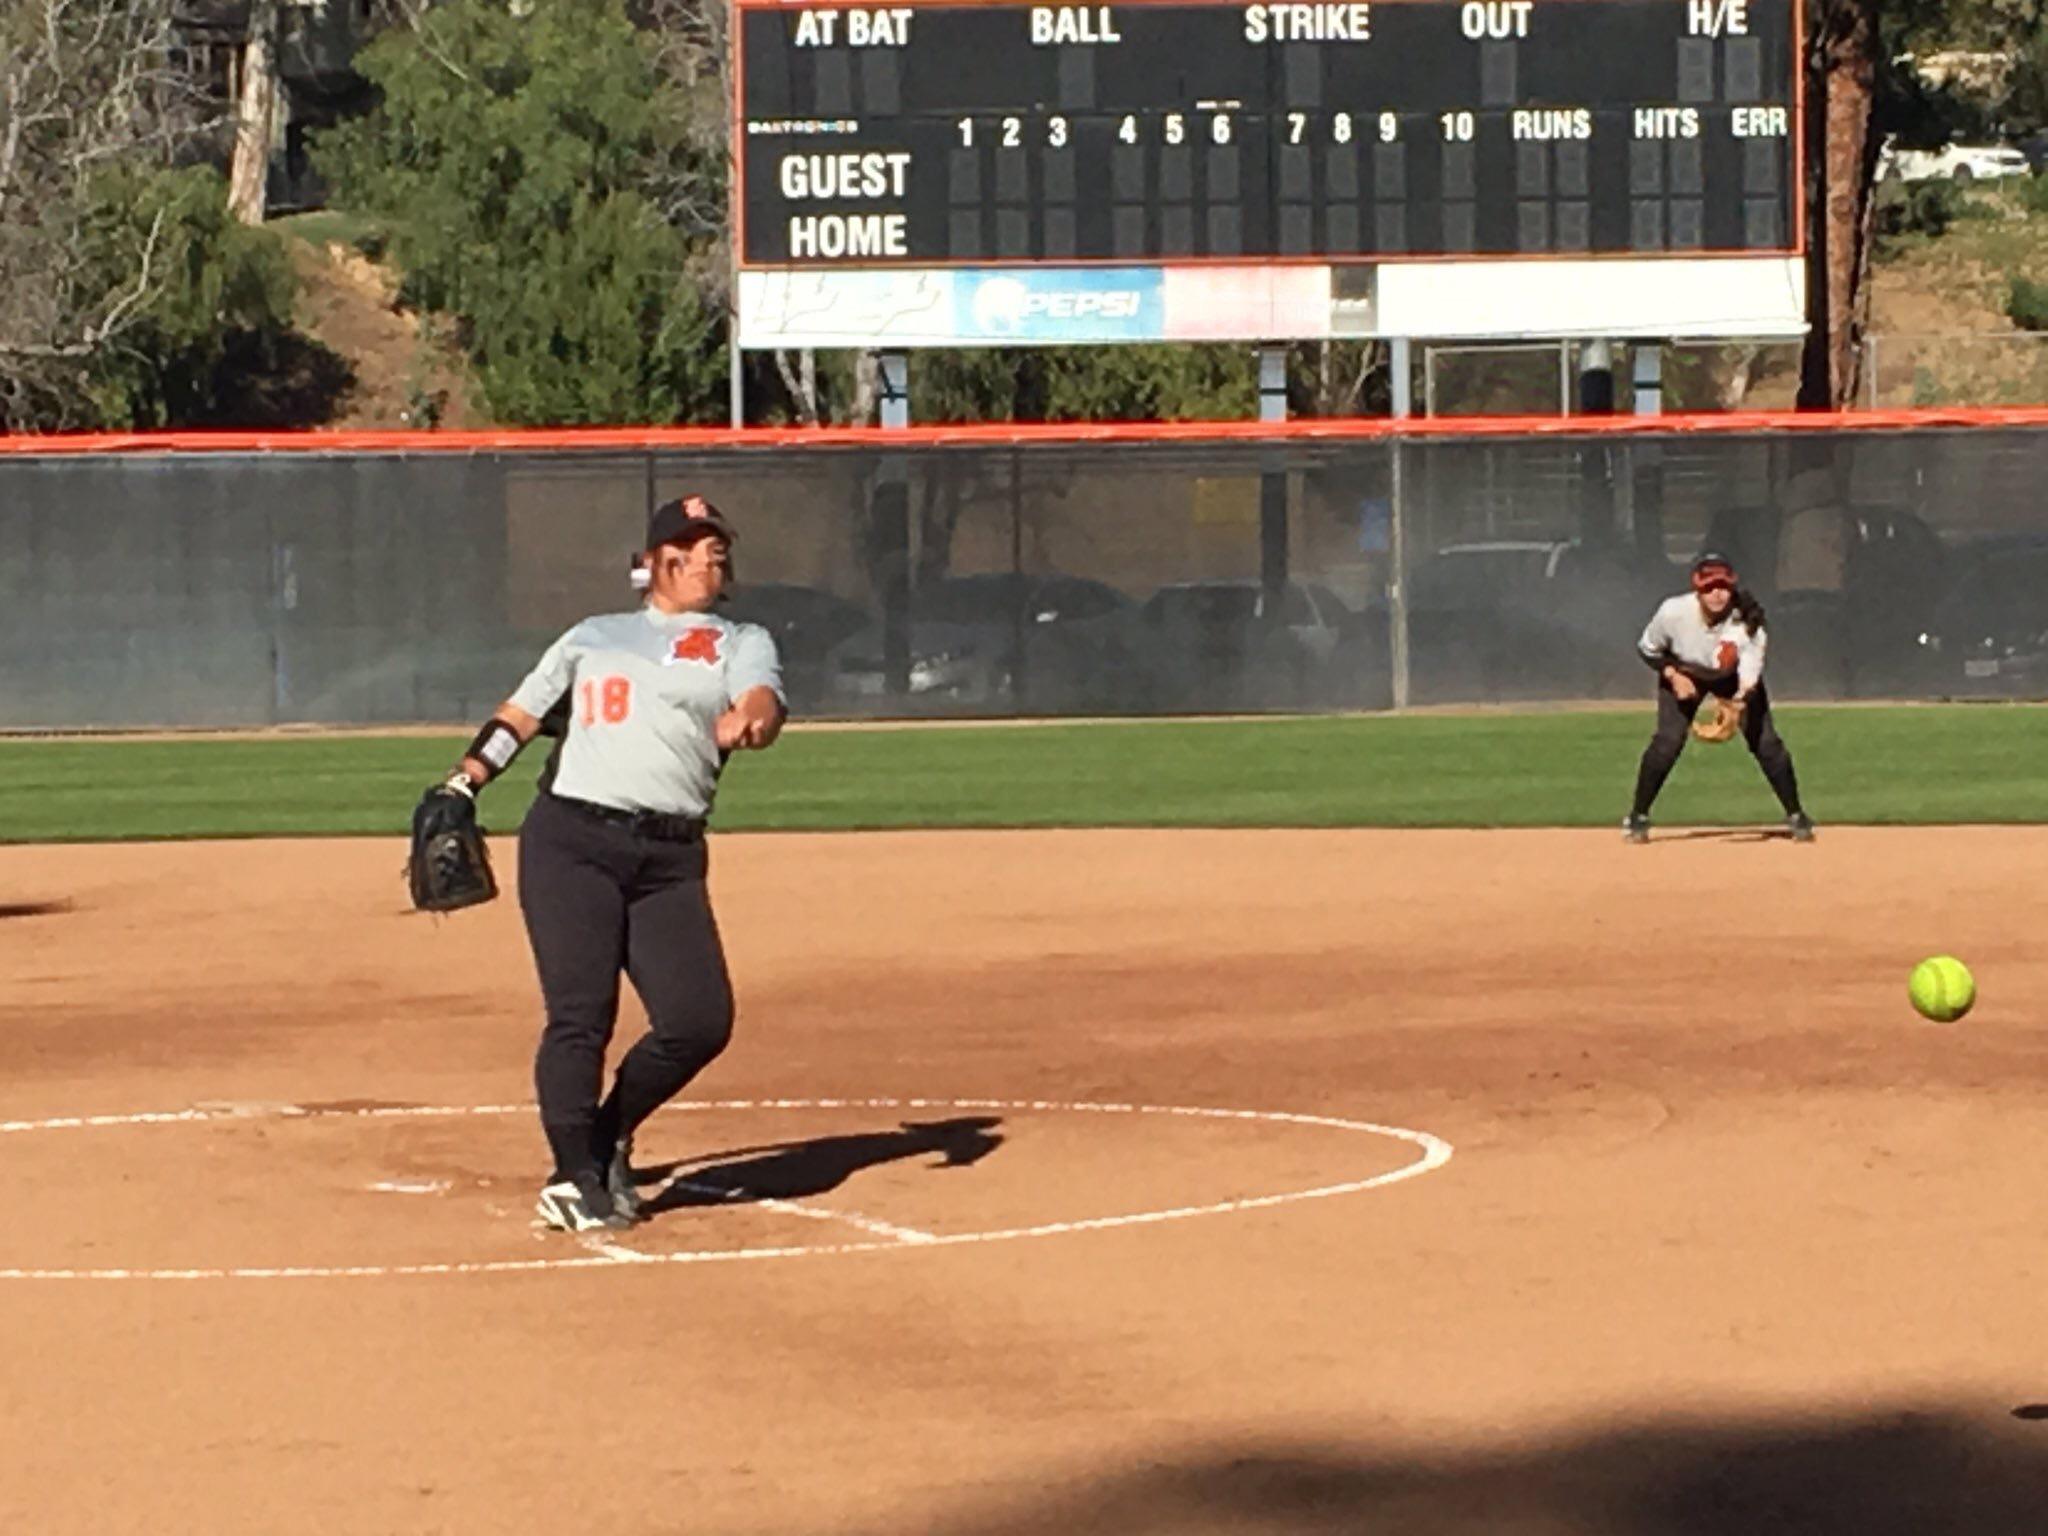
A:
{"points": [[985, 134]]}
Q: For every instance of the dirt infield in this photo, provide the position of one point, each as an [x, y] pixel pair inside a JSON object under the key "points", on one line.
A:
{"points": [[1727, 1241]]}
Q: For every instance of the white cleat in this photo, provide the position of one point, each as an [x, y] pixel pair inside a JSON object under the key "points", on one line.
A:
{"points": [[569, 1206]]}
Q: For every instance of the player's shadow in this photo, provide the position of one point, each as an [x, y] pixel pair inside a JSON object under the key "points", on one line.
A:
{"points": [[1725, 835], [32, 908], [1899, 1470], [791, 1170]]}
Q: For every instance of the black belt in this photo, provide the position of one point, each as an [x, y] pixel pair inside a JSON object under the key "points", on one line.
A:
{"points": [[662, 826]]}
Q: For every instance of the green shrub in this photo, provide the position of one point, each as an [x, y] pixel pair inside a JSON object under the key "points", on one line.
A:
{"points": [[221, 294], [1916, 208], [1933, 207], [2026, 304]]}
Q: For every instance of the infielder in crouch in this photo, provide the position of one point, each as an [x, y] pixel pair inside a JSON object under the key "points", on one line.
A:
{"points": [[1711, 640], [612, 859]]}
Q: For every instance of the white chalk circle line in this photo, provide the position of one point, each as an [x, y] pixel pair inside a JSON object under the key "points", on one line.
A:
{"points": [[1432, 1153]]}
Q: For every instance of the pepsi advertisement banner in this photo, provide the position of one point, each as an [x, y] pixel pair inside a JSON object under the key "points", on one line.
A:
{"points": [[1010, 307]]}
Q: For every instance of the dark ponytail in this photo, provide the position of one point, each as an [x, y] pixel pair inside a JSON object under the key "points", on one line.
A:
{"points": [[1750, 610]]}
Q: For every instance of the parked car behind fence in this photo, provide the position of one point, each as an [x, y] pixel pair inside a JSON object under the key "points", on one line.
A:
{"points": [[1224, 646], [1529, 619], [1988, 635], [807, 623], [1960, 163], [999, 643]]}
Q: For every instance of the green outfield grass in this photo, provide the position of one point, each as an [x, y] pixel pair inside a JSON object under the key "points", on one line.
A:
{"points": [[1931, 764]]}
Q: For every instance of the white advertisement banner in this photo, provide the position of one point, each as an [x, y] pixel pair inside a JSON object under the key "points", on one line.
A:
{"points": [[912, 308], [1665, 298], [1670, 298]]}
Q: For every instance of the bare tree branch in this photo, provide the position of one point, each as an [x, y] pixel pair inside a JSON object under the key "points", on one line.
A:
{"points": [[689, 40], [416, 16], [867, 387], [124, 307], [802, 386], [85, 86]]}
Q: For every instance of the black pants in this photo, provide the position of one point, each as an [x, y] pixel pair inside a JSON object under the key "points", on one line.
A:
{"points": [[601, 898], [1674, 715]]}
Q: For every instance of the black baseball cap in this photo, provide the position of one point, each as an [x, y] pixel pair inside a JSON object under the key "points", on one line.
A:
{"points": [[686, 519]]}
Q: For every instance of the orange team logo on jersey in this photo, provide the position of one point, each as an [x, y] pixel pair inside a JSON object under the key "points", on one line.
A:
{"points": [[695, 645], [1725, 657]]}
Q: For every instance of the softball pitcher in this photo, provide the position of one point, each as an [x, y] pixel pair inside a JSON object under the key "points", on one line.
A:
{"points": [[1711, 640], [612, 858]]}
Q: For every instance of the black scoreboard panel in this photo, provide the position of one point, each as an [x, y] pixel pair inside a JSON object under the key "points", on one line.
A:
{"points": [[939, 134]]}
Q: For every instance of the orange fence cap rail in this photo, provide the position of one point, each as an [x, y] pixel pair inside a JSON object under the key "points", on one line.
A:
{"points": [[1005, 434]]}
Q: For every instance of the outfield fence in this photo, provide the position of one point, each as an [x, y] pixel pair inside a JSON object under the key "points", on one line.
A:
{"points": [[243, 581]]}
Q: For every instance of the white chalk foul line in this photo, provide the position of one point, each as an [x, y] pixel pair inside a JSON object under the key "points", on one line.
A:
{"points": [[617, 1253], [1435, 1152], [734, 1194]]}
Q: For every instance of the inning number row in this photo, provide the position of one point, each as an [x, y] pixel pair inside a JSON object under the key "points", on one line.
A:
{"points": [[1219, 127]]}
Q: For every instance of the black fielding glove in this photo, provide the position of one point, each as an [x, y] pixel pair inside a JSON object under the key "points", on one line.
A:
{"points": [[449, 867]]}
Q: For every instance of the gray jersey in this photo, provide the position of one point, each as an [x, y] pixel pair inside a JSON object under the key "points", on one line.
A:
{"points": [[1679, 632], [645, 690]]}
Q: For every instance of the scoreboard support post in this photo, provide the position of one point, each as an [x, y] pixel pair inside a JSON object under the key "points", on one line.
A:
{"points": [[1646, 459], [1272, 383], [1596, 380], [1606, 486], [736, 383], [1401, 366], [1646, 370], [1273, 485], [892, 371], [891, 523]]}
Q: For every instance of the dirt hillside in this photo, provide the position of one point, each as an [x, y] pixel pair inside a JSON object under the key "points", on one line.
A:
{"points": [[405, 375]]}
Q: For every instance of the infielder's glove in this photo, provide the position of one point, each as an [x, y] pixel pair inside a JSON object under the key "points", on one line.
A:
{"points": [[449, 867], [1718, 719]]}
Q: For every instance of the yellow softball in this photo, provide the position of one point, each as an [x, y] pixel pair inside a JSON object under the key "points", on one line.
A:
{"points": [[1942, 988]]}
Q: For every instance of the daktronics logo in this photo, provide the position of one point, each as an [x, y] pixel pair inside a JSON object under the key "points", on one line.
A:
{"points": [[1008, 306]]}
